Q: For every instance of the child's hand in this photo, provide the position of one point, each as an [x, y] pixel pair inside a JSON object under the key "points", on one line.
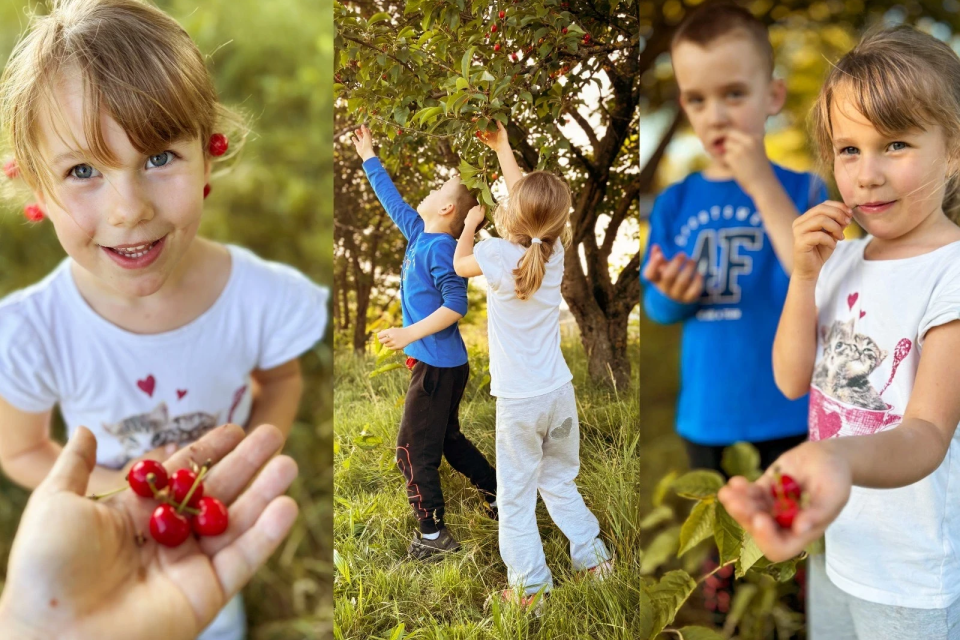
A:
{"points": [[396, 338], [363, 141], [815, 236], [475, 218], [823, 476], [678, 279], [497, 141], [747, 159]]}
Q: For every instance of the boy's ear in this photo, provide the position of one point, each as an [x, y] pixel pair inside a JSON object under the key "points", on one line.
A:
{"points": [[778, 96], [447, 209]]}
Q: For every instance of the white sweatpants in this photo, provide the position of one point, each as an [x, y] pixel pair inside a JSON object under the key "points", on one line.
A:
{"points": [[538, 448]]}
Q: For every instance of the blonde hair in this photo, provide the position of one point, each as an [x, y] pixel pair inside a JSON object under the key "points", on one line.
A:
{"points": [[135, 63], [899, 79], [539, 207]]}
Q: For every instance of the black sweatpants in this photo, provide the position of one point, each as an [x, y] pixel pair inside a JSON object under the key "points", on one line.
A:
{"points": [[430, 430], [709, 457]]}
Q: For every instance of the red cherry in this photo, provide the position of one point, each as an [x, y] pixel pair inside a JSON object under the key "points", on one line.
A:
{"points": [[180, 484], [218, 144], [513, 57], [383, 76], [33, 213], [786, 487], [11, 169], [502, 14], [494, 176], [212, 519], [168, 527], [141, 474], [564, 30], [496, 47], [586, 37], [493, 29], [206, 191], [785, 511]]}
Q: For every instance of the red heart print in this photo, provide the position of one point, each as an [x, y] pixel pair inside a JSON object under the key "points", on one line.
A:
{"points": [[863, 313], [147, 385], [852, 299], [181, 393]]}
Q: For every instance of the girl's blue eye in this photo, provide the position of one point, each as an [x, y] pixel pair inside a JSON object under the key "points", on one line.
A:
{"points": [[848, 151], [83, 172], [160, 159], [893, 145]]}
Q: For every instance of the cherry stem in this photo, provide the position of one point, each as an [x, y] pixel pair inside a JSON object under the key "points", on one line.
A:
{"points": [[104, 496], [196, 483]]}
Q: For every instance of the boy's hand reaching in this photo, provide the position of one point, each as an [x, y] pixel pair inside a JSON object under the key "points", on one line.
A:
{"points": [[498, 140], [815, 236], [363, 141], [678, 279], [396, 338], [824, 477]]}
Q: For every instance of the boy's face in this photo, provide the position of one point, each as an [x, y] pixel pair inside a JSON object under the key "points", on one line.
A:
{"points": [[895, 181], [128, 226], [440, 202], [725, 85]]}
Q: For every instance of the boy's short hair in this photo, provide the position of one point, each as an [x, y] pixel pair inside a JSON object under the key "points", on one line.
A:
{"points": [[716, 20], [464, 202]]}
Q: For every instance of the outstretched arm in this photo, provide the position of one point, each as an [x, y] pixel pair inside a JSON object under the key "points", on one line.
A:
{"points": [[508, 163]]}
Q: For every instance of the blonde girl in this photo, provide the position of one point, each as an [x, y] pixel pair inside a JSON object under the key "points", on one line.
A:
{"points": [[147, 334], [538, 435], [870, 329]]}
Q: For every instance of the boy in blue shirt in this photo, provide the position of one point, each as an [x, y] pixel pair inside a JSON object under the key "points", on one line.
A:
{"points": [[720, 247], [433, 298]]}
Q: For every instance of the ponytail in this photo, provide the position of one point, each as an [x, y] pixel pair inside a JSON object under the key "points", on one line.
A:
{"points": [[532, 267]]}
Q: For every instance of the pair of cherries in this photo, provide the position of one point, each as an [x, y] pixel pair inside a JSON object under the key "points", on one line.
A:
{"points": [[787, 498], [183, 506]]}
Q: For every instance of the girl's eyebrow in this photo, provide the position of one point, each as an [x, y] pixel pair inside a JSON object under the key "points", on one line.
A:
{"points": [[72, 155]]}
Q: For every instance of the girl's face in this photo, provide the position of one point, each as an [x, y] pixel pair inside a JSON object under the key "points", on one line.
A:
{"points": [[129, 226], [896, 182]]}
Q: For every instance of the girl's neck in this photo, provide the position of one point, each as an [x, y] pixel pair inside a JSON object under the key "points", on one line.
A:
{"points": [[935, 231], [192, 287]]}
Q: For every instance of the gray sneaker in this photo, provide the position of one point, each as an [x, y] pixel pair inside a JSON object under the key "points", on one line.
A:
{"points": [[430, 550]]}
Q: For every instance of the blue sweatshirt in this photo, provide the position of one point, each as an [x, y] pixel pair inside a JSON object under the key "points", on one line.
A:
{"points": [[427, 278], [727, 391]]}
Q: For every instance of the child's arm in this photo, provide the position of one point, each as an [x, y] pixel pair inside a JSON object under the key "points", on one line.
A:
{"points": [[403, 215], [278, 396], [827, 469], [816, 234], [673, 287], [500, 143], [399, 337], [747, 159], [464, 262]]}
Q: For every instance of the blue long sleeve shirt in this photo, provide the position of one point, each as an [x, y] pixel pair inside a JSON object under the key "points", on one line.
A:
{"points": [[727, 390], [427, 278]]}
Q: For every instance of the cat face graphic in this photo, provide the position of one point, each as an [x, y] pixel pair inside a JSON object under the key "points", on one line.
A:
{"points": [[849, 354], [144, 432]]}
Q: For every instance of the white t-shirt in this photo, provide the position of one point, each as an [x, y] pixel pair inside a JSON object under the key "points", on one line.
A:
{"points": [[898, 547], [136, 392], [524, 335]]}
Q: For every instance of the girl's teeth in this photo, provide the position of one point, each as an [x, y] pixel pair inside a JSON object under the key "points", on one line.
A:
{"points": [[135, 252]]}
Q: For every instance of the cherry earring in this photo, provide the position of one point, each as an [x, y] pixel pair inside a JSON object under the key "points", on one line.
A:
{"points": [[218, 144], [206, 191], [33, 213]]}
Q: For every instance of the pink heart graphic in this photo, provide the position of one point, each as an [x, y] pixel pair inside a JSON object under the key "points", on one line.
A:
{"points": [[863, 313], [852, 299], [147, 385], [181, 393]]}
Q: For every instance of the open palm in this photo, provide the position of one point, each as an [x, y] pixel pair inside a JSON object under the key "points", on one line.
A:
{"points": [[88, 569]]}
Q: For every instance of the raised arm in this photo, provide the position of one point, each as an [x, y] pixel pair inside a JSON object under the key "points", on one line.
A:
{"points": [[403, 215], [508, 163]]}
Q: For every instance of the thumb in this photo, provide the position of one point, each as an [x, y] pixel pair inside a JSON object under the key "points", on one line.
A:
{"points": [[73, 467]]}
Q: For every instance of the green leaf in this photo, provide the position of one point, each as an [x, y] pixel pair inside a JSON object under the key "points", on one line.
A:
{"points": [[742, 459], [698, 526], [466, 60], [648, 614], [742, 596], [384, 369], [698, 484], [700, 633], [462, 83], [669, 594], [659, 515], [663, 486], [749, 555], [382, 355], [367, 441], [378, 17], [728, 535], [525, 95], [400, 114], [663, 548], [398, 632]]}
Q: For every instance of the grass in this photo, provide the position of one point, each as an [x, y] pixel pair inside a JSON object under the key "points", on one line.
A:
{"points": [[380, 593]]}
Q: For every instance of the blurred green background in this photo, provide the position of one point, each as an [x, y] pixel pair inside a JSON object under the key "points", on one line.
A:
{"points": [[274, 61]]}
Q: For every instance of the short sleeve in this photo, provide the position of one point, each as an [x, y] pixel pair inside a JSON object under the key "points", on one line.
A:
{"points": [[944, 305], [489, 258], [296, 318], [27, 380]]}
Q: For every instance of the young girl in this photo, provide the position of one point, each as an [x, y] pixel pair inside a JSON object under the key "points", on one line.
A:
{"points": [[538, 435], [146, 334], [870, 330]]}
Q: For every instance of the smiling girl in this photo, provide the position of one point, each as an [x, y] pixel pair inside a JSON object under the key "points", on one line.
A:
{"points": [[147, 334], [870, 328]]}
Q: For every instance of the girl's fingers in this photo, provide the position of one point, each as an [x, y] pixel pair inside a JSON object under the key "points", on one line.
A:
{"points": [[823, 223], [818, 238]]}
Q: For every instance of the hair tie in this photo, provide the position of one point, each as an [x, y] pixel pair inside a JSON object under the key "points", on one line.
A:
{"points": [[536, 241]]}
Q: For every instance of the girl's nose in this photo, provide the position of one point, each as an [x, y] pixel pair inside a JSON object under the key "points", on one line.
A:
{"points": [[129, 205]]}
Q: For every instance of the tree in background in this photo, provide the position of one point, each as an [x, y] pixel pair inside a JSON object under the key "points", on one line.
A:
{"points": [[427, 75]]}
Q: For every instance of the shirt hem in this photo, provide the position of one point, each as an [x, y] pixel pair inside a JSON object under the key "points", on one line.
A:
{"points": [[530, 394], [886, 598]]}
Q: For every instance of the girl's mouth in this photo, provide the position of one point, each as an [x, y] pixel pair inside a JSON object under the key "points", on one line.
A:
{"points": [[136, 256], [874, 207]]}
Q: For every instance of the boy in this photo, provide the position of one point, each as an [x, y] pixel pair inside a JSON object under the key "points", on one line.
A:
{"points": [[433, 298], [734, 221]]}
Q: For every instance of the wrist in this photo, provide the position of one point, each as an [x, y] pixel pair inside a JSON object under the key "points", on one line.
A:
{"points": [[366, 156], [762, 182]]}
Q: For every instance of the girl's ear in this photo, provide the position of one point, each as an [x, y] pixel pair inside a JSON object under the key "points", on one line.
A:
{"points": [[778, 96]]}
